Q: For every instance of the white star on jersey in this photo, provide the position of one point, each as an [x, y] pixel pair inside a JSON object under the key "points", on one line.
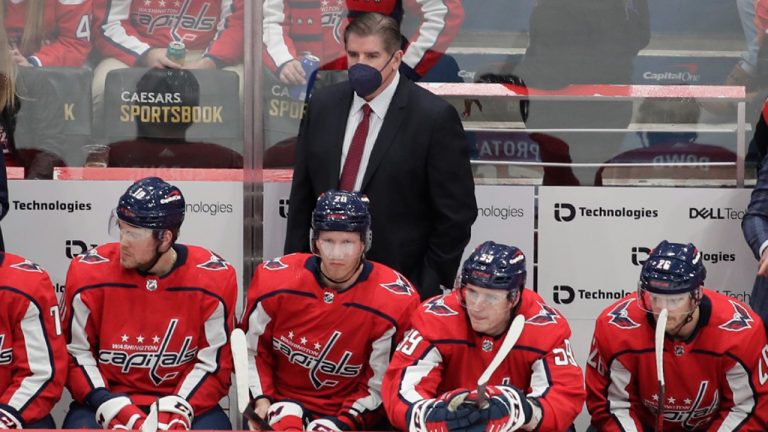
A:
{"points": [[124, 338]]}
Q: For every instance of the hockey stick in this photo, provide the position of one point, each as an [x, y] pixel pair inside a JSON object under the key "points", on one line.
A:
{"points": [[506, 346], [661, 326], [150, 423], [240, 359]]}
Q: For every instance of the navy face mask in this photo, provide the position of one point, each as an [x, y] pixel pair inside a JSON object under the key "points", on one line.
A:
{"points": [[365, 79]]}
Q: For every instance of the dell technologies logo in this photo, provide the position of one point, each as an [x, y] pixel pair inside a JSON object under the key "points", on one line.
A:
{"points": [[563, 294], [712, 213], [77, 247], [641, 253], [566, 212]]}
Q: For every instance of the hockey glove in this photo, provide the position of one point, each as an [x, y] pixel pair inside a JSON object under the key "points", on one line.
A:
{"points": [[447, 413], [174, 413], [119, 412], [508, 408], [327, 424], [286, 416], [10, 418]]}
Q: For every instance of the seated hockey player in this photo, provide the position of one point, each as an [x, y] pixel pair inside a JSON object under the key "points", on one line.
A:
{"points": [[321, 327], [148, 319], [714, 354], [33, 360], [431, 382]]}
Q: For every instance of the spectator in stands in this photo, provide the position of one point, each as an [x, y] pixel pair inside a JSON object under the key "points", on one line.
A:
{"points": [[48, 33], [668, 148], [137, 33], [30, 124], [399, 144], [163, 143], [292, 28], [583, 42]]}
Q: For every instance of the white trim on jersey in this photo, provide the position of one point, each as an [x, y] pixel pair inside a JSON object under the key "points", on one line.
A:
{"points": [[539, 379], [80, 347], [618, 397], [257, 323], [413, 374], [120, 10], [71, 2], [434, 13], [226, 12], [378, 361], [39, 358], [743, 397], [274, 36], [216, 337]]}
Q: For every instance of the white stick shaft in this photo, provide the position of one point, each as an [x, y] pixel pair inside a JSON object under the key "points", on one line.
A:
{"points": [[661, 325], [240, 359], [150, 424], [506, 346]]}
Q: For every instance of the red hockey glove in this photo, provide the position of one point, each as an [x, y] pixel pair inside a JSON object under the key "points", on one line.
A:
{"points": [[119, 412], [10, 418], [286, 416], [174, 413]]}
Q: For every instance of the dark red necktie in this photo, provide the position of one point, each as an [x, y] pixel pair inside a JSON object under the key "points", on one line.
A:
{"points": [[355, 152]]}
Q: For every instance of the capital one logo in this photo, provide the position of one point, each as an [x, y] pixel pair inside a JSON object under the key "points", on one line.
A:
{"points": [[639, 255], [282, 207], [564, 212], [563, 294], [77, 247]]}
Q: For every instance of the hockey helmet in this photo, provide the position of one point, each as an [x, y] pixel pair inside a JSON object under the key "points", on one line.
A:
{"points": [[496, 266], [341, 211], [152, 203], [673, 270]]}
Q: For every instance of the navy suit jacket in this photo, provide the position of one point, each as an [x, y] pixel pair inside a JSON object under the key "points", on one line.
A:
{"points": [[755, 228], [418, 179]]}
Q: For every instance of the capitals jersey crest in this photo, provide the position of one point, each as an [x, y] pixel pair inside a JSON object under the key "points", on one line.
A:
{"points": [[28, 265], [740, 320], [275, 264], [437, 306], [91, 256], [400, 286], [547, 315], [215, 262], [620, 317]]}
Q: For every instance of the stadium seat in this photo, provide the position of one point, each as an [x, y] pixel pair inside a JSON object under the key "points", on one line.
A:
{"points": [[666, 168], [216, 117]]}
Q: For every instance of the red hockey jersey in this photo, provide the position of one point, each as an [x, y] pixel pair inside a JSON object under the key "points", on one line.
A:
{"points": [[715, 381], [292, 27], [325, 349], [33, 361], [126, 29], [67, 26], [146, 335], [442, 353]]}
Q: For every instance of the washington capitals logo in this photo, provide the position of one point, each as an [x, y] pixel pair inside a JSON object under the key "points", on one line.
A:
{"points": [[740, 320], [29, 266], [400, 286], [620, 318], [275, 264], [215, 262], [91, 256], [547, 315], [437, 307]]}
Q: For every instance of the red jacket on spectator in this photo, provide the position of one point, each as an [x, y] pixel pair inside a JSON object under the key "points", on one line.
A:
{"points": [[67, 26], [292, 27], [126, 29]]}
